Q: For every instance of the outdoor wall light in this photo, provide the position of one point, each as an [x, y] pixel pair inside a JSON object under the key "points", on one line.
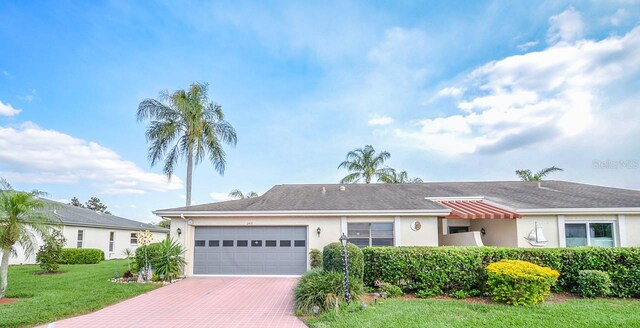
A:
{"points": [[318, 231], [179, 231], [483, 232]]}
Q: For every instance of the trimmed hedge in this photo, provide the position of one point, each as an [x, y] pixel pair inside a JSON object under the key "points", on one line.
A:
{"points": [[518, 282], [81, 256], [593, 283], [332, 259], [443, 270]]}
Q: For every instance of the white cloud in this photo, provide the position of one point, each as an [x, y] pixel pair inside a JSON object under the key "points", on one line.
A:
{"points": [[450, 92], [521, 100], [220, 196], [565, 27], [618, 17], [28, 97], [525, 46], [8, 110], [34, 155], [377, 120]]}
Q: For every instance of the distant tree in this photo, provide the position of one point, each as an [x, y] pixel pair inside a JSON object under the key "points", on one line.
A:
{"points": [[76, 202], [164, 224], [235, 193], [23, 217], [186, 125], [365, 164], [527, 175], [96, 205], [402, 177]]}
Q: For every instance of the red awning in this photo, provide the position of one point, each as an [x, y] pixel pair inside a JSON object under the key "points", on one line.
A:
{"points": [[476, 209]]}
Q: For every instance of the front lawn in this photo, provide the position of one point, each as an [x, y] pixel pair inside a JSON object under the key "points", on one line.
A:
{"points": [[83, 288], [456, 313]]}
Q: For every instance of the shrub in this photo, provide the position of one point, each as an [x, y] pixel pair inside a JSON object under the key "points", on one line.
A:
{"points": [[151, 253], [49, 255], [444, 270], [518, 282], [593, 283], [391, 290], [315, 257], [322, 288], [82, 256], [332, 260], [169, 258]]}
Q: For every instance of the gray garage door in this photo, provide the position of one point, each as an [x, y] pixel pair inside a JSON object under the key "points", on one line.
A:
{"points": [[250, 250]]}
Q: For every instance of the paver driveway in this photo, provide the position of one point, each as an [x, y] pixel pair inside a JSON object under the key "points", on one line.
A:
{"points": [[202, 302]]}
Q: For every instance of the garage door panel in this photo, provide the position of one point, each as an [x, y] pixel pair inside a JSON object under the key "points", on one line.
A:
{"points": [[254, 258]]}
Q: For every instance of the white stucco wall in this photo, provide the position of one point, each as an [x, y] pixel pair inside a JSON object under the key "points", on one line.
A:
{"points": [[498, 232], [632, 228], [93, 238]]}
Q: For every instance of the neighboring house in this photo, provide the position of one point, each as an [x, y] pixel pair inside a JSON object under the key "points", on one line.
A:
{"points": [[273, 233], [84, 228]]}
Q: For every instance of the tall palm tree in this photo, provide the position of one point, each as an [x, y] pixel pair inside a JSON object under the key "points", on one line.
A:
{"points": [[186, 124], [23, 216], [526, 175], [402, 177], [235, 193], [365, 164]]}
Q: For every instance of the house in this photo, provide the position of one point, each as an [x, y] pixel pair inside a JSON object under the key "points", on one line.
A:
{"points": [[84, 228], [272, 234]]}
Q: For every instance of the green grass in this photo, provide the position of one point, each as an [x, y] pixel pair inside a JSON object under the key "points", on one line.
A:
{"points": [[83, 288], [454, 313]]}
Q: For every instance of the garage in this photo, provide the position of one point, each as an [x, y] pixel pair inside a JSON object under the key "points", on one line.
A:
{"points": [[252, 250]]}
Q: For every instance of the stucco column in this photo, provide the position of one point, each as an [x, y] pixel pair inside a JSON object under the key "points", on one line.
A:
{"points": [[562, 241], [622, 230]]}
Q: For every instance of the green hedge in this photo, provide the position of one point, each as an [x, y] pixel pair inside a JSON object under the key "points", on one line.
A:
{"points": [[82, 256], [593, 283], [332, 260], [152, 251], [443, 270]]}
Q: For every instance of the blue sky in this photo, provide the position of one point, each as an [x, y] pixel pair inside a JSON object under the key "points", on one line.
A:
{"points": [[454, 90]]}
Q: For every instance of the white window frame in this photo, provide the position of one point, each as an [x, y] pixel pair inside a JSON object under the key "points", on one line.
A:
{"points": [[614, 229], [112, 241], [80, 241], [133, 235], [393, 232]]}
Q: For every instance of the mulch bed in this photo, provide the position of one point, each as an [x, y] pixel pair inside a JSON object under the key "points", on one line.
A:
{"points": [[554, 298], [7, 300], [41, 273]]}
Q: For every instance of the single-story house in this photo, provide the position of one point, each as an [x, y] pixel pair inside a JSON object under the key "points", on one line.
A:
{"points": [[273, 234], [84, 228]]}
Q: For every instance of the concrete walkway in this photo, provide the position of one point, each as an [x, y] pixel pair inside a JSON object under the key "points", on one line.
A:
{"points": [[201, 302]]}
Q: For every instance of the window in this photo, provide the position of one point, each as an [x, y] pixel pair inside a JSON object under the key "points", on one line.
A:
{"points": [[256, 243], [200, 243], [134, 239], [285, 243], [214, 243], [80, 238], [270, 243], [370, 234], [227, 243], [242, 243], [600, 234], [112, 237], [458, 229], [299, 243]]}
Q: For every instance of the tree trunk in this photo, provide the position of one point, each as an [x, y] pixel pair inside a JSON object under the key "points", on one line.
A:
{"points": [[4, 270], [189, 174]]}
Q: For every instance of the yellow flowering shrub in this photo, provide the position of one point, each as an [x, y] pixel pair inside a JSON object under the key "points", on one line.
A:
{"points": [[518, 282]]}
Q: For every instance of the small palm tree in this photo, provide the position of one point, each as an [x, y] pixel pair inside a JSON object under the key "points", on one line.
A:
{"points": [[23, 217], [365, 164], [169, 258], [526, 175], [402, 177], [235, 193], [186, 124]]}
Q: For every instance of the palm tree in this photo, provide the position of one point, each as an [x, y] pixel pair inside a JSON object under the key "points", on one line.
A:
{"points": [[402, 177], [23, 216], [526, 175], [186, 124], [365, 164], [235, 193]]}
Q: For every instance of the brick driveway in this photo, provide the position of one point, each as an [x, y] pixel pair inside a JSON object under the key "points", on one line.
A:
{"points": [[202, 302]]}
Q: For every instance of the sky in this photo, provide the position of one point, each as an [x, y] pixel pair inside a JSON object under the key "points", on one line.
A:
{"points": [[454, 90]]}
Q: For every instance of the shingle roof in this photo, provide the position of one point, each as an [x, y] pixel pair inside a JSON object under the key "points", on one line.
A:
{"points": [[77, 216], [514, 194]]}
